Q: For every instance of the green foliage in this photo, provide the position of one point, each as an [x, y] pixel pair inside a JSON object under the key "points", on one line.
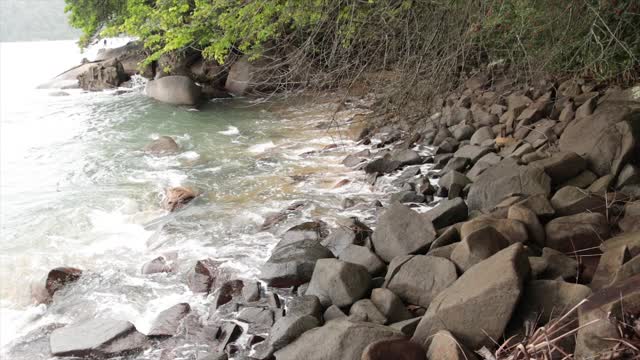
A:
{"points": [[598, 37]]}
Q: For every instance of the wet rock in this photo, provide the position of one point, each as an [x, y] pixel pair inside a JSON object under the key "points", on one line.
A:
{"points": [[333, 312], [228, 291], [350, 232], [102, 75], [365, 310], [292, 264], [101, 338], [251, 291], [562, 166], [448, 212], [418, 279], [289, 328], [577, 233], [504, 180], [447, 146], [177, 197], [393, 348], [339, 283], [32, 346], [401, 231], [456, 164], [477, 246], [206, 275], [390, 305], [175, 90], [227, 333], [167, 322], [535, 230], [337, 339], [310, 230], [361, 255], [444, 346], [478, 306], [157, 265], [259, 319], [406, 157], [60, 277], [407, 197], [599, 317], [383, 165], [512, 230], [162, 145]]}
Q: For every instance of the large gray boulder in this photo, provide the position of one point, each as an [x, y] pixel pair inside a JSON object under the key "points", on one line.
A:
{"points": [[167, 322], [506, 179], [339, 283], [175, 90], [562, 166], [402, 231], [477, 246], [104, 75], [607, 138], [292, 264], [448, 212], [418, 279], [361, 255], [390, 305], [98, 338], [577, 233], [337, 339], [478, 306]]}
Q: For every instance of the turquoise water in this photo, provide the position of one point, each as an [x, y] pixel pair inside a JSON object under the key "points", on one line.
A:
{"points": [[78, 190]]}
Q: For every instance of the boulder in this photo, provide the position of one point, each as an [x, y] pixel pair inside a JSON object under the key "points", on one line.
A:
{"points": [[251, 291], [310, 230], [337, 339], [157, 265], [260, 319], [444, 346], [453, 180], [630, 240], [485, 162], [407, 196], [177, 197], [162, 145], [463, 132], [631, 220], [350, 232], [599, 318], [562, 166], [305, 305], [512, 230], [539, 204], [408, 327], [629, 175], [418, 279], [361, 255], [478, 306], [406, 157], [289, 328], [482, 134], [504, 180], [390, 305], [175, 90], [227, 291], [365, 310], [535, 230], [61, 277], [472, 152], [576, 233], [383, 165], [401, 231], [571, 200], [582, 180], [476, 247], [606, 138], [103, 75], [609, 267], [557, 266], [448, 212], [130, 56], [456, 164], [339, 283], [394, 348], [292, 264], [207, 275], [167, 322], [333, 312], [97, 338]]}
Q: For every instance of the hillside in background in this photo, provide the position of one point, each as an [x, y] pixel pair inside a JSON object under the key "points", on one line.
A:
{"points": [[32, 20]]}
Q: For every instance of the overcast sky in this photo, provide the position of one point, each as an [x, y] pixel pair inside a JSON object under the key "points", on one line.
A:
{"points": [[32, 20]]}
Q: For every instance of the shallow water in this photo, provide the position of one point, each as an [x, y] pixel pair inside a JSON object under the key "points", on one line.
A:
{"points": [[77, 189]]}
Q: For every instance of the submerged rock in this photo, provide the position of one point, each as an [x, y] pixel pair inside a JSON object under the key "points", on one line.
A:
{"points": [[162, 145], [177, 197], [55, 280]]}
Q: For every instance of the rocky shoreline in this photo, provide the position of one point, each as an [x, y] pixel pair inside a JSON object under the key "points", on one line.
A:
{"points": [[517, 211]]}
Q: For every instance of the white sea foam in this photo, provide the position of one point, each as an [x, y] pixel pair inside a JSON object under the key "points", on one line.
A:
{"points": [[231, 130], [261, 148]]}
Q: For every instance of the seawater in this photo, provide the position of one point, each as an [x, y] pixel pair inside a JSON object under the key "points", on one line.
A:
{"points": [[78, 190]]}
